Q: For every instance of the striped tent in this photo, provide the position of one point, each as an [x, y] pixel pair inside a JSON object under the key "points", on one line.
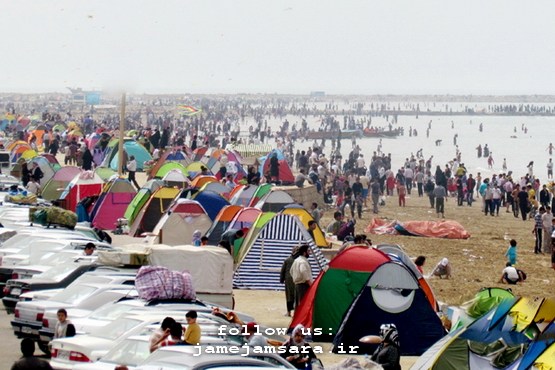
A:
{"points": [[250, 150], [260, 262]]}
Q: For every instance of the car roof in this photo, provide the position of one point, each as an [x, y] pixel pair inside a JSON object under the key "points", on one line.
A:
{"points": [[219, 360]]}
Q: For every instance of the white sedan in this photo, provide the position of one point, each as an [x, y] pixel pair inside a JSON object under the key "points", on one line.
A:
{"points": [[134, 350], [66, 352]]}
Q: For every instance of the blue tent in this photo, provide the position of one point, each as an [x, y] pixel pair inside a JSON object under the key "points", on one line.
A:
{"points": [[176, 156], [132, 148], [392, 294], [211, 202]]}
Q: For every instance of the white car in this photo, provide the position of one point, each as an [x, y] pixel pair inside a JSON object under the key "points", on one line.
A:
{"points": [[29, 315], [135, 349], [41, 251], [185, 357], [127, 306], [99, 342]]}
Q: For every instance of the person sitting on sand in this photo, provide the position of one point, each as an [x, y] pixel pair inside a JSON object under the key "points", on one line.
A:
{"points": [[442, 269], [511, 275]]}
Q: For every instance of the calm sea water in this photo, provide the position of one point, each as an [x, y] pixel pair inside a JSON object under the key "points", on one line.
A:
{"points": [[519, 148]]}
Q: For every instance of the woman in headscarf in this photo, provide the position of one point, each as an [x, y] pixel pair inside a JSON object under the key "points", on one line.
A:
{"points": [[388, 353], [297, 351]]}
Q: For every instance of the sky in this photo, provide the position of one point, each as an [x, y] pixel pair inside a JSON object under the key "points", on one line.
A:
{"points": [[256, 46]]}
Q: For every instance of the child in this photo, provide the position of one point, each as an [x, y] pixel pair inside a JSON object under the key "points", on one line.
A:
{"points": [[402, 190], [511, 252], [60, 330]]}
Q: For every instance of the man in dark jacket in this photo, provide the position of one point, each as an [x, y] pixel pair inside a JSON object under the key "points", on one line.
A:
{"points": [[28, 361]]}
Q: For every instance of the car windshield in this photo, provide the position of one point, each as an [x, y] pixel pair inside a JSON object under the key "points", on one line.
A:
{"points": [[111, 311], [73, 294], [129, 353], [116, 328], [58, 272]]}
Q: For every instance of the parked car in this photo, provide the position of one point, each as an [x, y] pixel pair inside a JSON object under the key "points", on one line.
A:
{"points": [[135, 349], [43, 254], [57, 277], [126, 306], [29, 314], [90, 347], [182, 357]]}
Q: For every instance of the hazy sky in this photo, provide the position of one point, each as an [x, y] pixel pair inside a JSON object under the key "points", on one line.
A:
{"points": [[385, 46]]}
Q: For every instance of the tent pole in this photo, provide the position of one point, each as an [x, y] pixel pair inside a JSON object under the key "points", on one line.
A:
{"points": [[121, 133]]}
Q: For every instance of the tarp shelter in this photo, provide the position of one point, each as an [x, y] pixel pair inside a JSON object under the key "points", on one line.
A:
{"points": [[285, 176], [179, 223], [243, 196], [261, 259], [517, 334], [303, 215], [132, 148], [210, 267], [166, 168], [221, 223], [152, 211], [86, 184], [176, 178], [434, 229], [56, 185], [140, 199], [112, 203], [274, 201]]}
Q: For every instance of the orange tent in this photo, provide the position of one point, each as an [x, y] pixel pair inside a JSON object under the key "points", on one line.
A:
{"points": [[200, 180]]}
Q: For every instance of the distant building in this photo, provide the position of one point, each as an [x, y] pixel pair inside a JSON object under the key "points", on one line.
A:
{"points": [[80, 96], [317, 93]]}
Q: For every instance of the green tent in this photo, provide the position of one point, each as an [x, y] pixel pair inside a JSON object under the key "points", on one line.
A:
{"points": [[167, 167], [140, 199], [259, 193], [486, 299]]}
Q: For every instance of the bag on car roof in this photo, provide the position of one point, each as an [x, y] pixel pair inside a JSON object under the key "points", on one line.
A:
{"points": [[157, 282]]}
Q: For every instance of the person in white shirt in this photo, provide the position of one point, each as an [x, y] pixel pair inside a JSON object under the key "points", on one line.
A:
{"points": [[301, 273], [510, 275], [33, 187], [131, 169]]}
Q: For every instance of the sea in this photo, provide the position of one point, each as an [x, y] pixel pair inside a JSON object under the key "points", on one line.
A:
{"points": [[516, 139]]}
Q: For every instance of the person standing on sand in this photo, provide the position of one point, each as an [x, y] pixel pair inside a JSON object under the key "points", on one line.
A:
{"points": [[550, 169], [286, 278], [440, 195], [538, 230], [301, 274], [131, 169], [547, 228]]}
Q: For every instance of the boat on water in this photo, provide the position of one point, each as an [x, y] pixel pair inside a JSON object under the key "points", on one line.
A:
{"points": [[381, 134], [340, 134]]}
